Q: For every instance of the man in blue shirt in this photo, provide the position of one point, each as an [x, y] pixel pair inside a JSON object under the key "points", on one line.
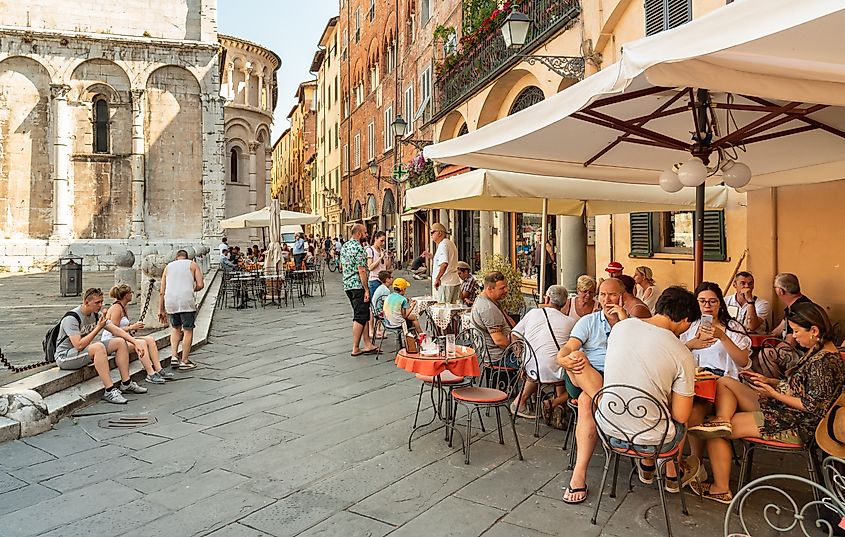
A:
{"points": [[298, 250], [583, 359]]}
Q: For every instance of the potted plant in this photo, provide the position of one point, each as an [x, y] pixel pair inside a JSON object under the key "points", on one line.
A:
{"points": [[513, 303]]}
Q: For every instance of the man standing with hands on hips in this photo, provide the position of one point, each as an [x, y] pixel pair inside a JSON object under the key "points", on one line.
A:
{"points": [[446, 283]]}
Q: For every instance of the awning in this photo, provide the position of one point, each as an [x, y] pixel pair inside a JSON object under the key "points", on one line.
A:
{"points": [[760, 59], [261, 218], [491, 190]]}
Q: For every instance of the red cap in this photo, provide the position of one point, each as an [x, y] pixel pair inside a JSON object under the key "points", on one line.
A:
{"points": [[614, 266]]}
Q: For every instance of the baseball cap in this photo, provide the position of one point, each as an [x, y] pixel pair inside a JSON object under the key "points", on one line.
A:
{"points": [[614, 266], [401, 284]]}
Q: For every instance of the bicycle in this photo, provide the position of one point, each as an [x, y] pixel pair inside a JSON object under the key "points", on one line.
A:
{"points": [[332, 263]]}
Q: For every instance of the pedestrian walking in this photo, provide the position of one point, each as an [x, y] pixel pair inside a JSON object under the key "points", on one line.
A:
{"points": [[181, 279]]}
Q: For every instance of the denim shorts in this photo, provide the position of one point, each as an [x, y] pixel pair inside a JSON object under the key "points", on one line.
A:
{"points": [[668, 445], [185, 319]]}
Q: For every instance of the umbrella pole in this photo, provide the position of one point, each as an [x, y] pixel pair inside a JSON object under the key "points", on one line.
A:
{"points": [[543, 238], [699, 234]]}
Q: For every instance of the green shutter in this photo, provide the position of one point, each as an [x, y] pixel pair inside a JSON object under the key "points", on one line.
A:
{"points": [[641, 235], [654, 11], [715, 248]]}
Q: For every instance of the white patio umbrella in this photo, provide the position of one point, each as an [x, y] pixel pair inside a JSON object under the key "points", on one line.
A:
{"points": [[492, 190], [274, 251], [761, 60], [261, 218]]}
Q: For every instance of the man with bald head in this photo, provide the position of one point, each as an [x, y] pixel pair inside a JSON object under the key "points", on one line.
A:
{"points": [[583, 359], [353, 262]]}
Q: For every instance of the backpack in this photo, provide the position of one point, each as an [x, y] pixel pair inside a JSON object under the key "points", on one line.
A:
{"points": [[50, 338]]}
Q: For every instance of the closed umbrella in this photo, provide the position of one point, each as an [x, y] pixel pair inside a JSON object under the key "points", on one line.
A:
{"points": [[274, 251]]}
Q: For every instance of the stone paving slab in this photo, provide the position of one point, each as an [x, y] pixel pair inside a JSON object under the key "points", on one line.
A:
{"points": [[280, 432]]}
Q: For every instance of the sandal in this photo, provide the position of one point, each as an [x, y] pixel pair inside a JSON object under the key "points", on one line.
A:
{"points": [[703, 490], [570, 491], [547, 411], [183, 366]]}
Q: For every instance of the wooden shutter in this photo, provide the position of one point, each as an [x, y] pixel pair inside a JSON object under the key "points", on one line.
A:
{"points": [[641, 235], [654, 16], [715, 248], [678, 12]]}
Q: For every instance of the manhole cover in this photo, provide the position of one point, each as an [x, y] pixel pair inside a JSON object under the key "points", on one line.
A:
{"points": [[127, 422]]}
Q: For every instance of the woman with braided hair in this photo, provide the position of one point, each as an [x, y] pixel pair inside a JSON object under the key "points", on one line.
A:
{"points": [[119, 316]]}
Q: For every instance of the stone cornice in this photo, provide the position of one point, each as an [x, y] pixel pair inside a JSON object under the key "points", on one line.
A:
{"points": [[112, 39]]}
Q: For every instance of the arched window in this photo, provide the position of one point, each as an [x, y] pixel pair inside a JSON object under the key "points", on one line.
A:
{"points": [[233, 165], [463, 130], [101, 125], [527, 97]]}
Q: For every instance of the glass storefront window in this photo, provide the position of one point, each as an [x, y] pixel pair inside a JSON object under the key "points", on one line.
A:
{"points": [[527, 238]]}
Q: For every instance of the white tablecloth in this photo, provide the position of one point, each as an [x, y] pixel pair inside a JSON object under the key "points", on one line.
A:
{"points": [[422, 302], [442, 314]]}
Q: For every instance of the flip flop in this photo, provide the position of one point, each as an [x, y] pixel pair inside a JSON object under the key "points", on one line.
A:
{"points": [[569, 490], [187, 365], [374, 350], [359, 353]]}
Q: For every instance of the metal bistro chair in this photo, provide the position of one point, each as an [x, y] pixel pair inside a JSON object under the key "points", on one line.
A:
{"points": [[474, 398], [619, 401], [398, 331], [528, 369], [786, 509]]}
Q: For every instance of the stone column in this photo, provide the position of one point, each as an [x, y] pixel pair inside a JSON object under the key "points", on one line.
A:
{"points": [[124, 271], [62, 194], [572, 245], [138, 164], [230, 83], [268, 169], [260, 103], [253, 187], [246, 71], [213, 179], [152, 267], [485, 230]]}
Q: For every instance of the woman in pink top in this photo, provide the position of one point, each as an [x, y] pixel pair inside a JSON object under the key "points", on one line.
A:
{"points": [[584, 302]]}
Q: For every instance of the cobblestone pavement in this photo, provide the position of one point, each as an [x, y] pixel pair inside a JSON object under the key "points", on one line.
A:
{"points": [[29, 305], [280, 432]]}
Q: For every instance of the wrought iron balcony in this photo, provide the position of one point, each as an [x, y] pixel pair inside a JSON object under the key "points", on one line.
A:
{"points": [[488, 58]]}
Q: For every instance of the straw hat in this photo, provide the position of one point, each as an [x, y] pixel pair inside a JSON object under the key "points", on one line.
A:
{"points": [[437, 226], [830, 434], [463, 265]]}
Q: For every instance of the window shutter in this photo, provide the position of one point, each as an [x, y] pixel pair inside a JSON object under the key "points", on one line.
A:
{"points": [[653, 16], [678, 12], [715, 248], [641, 235]]}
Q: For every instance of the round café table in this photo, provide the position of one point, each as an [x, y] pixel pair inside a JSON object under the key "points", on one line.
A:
{"points": [[463, 364]]}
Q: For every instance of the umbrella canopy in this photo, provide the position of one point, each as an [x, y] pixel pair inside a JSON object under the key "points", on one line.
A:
{"points": [[491, 190], [274, 251], [760, 59], [261, 218]]}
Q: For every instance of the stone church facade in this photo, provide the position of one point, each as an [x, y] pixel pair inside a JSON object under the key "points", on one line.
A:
{"points": [[111, 129]]}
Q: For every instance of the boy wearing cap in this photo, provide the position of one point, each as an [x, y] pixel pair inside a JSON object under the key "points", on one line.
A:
{"points": [[379, 295], [397, 308], [469, 287]]}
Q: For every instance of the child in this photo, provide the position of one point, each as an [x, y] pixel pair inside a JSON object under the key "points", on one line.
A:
{"points": [[377, 300], [397, 308]]}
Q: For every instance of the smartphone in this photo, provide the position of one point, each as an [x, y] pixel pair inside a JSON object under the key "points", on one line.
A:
{"points": [[707, 320]]}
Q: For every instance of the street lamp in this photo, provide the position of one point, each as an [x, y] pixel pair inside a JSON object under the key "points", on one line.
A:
{"points": [[399, 126], [515, 34]]}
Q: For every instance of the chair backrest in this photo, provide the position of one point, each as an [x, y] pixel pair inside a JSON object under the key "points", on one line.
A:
{"points": [[630, 420], [475, 339], [527, 358]]}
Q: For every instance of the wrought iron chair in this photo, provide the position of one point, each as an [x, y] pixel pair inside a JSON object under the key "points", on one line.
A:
{"points": [[528, 369], [474, 398], [751, 445], [619, 402], [398, 331], [784, 510]]}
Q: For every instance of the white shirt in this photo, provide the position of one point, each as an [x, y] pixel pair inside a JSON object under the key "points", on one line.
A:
{"points": [[222, 246], [652, 359], [762, 306], [447, 252], [535, 330], [179, 290], [716, 355]]}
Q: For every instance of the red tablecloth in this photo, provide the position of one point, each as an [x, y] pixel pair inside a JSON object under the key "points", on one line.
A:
{"points": [[463, 364]]}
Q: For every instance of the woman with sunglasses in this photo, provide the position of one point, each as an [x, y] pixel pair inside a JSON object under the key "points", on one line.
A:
{"points": [[718, 342], [787, 410]]}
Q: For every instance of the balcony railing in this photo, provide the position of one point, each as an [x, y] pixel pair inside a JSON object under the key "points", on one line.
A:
{"points": [[489, 57]]}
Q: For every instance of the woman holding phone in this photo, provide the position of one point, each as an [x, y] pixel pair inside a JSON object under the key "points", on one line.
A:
{"points": [[787, 410], [718, 342]]}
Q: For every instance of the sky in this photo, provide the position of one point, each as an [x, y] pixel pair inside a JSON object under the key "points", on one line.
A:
{"points": [[287, 27]]}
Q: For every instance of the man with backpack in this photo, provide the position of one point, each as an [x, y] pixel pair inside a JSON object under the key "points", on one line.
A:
{"points": [[77, 345]]}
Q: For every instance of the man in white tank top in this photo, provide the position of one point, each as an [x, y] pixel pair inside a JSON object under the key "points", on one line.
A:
{"points": [[177, 304]]}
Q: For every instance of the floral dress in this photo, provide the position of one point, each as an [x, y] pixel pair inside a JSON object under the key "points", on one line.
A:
{"points": [[817, 380]]}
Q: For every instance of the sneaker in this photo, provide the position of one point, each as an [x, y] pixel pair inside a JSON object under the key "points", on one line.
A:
{"points": [[166, 375], [132, 387], [114, 396], [712, 429], [155, 378], [645, 473]]}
